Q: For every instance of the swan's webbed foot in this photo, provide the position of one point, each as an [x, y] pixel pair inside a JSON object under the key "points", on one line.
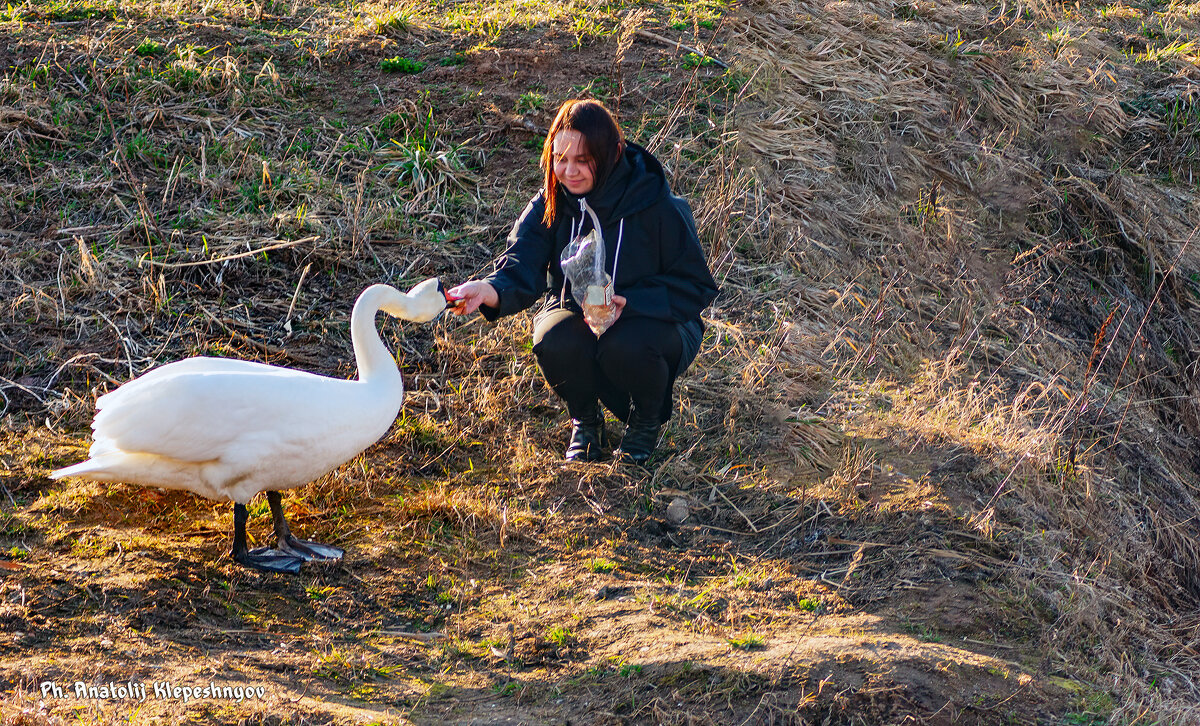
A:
{"points": [[269, 560], [308, 550], [285, 541], [289, 552], [263, 559]]}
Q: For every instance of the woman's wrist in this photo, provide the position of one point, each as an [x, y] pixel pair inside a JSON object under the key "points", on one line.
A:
{"points": [[490, 296]]}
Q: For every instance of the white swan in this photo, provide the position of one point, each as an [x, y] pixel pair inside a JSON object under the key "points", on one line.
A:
{"points": [[229, 429]]}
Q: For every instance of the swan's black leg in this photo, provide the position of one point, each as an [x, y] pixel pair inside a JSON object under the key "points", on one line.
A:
{"points": [[240, 515], [261, 558], [286, 542]]}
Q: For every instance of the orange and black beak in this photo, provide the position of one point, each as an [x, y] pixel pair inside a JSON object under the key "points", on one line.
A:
{"points": [[451, 302]]}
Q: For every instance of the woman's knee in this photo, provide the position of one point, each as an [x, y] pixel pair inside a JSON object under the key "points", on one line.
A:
{"points": [[562, 336], [630, 349]]}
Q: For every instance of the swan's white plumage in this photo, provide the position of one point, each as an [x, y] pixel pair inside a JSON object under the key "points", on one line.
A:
{"points": [[228, 429]]}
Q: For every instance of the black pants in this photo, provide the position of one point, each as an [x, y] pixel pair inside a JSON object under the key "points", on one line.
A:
{"points": [[633, 362]]}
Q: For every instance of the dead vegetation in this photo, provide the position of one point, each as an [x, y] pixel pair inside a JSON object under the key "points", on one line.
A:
{"points": [[944, 410], [1006, 256]]}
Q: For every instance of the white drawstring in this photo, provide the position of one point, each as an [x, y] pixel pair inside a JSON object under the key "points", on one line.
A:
{"points": [[617, 254], [585, 207], [562, 294]]}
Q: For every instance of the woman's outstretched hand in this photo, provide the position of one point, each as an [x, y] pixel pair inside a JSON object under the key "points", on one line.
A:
{"points": [[470, 295]]}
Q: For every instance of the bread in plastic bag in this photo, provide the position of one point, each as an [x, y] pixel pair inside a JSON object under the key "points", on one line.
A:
{"points": [[591, 286]]}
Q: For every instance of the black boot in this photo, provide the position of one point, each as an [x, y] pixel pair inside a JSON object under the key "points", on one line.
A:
{"points": [[587, 433], [641, 437]]}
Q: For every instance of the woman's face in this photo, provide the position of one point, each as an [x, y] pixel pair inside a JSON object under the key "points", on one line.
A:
{"points": [[573, 165]]}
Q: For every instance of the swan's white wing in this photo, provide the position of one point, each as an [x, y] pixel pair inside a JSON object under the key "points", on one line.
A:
{"points": [[188, 365], [239, 414]]}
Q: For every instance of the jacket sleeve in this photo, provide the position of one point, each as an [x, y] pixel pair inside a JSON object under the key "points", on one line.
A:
{"points": [[520, 274], [684, 285]]}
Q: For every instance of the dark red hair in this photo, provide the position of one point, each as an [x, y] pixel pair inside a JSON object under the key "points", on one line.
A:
{"points": [[601, 136]]}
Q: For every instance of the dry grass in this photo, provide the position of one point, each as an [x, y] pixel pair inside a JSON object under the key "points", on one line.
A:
{"points": [[955, 341], [1008, 265]]}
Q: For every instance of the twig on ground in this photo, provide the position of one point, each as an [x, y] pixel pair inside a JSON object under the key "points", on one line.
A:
{"points": [[227, 258], [667, 41]]}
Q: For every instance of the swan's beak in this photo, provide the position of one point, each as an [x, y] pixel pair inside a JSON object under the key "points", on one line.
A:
{"points": [[451, 302]]}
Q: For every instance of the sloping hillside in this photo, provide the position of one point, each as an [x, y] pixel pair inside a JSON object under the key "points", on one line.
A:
{"points": [[991, 215], [936, 456]]}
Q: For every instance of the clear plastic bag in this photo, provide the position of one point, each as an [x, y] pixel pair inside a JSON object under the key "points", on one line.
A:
{"points": [[591, 285]]}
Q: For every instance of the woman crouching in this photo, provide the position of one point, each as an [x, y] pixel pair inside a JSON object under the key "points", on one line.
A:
{"points": [[648, 320]]}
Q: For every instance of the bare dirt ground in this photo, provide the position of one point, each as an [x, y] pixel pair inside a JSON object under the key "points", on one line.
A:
{"points": [[935, 463], [574, 600]]}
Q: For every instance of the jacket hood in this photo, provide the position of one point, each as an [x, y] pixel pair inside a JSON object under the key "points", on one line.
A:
{"points": [[637, 181]]}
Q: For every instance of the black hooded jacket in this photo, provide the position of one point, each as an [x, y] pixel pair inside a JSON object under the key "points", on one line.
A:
{"points": [[661, 273]]}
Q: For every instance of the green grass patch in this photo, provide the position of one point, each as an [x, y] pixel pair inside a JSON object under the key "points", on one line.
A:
{"points": [[629, 670], [395, 22], [705, 24], [317, 593], [65, 11], [17, 553], [600, 564], [1183, 51], [400, 64], [811, 605], [749, 641], [1180, 115], [150, 48], [559, 636], [531, 101], [695, 60]]}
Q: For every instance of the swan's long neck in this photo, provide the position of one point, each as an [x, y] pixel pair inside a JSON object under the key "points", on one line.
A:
{"points": [[375, 361]]}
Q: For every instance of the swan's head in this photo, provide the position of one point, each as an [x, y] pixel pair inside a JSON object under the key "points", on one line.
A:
{"points": [[421, 304]]}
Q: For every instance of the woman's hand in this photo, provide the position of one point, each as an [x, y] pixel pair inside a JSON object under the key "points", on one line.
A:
{"points": [[470, 295], [618, 306]]}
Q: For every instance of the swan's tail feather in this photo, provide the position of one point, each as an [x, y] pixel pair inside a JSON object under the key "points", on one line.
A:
{"points": [[113, 465], [146, 470], [92, 469]]}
